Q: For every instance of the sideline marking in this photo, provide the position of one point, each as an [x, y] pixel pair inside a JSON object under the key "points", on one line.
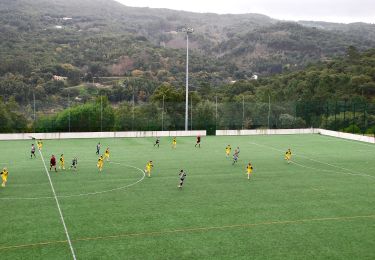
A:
{"points": [[58, 206], [323, 170], [348, 171], [196, 229], [84, 194]]}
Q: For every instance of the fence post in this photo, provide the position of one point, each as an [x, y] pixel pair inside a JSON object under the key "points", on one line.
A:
{"points": [[327, 114], [243, 112], [344, 113], [34, 111], [216, 114], [364, 117], [191, 112], [162, 117], [353, 123], [269, 110], [335, 124], [69, 110], [101, 113]]}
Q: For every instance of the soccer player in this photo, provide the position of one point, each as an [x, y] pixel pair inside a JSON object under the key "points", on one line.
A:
{"points": [[100, 163], [235, 157], [40, 144], [174, 143], [227, 150], [52, 163], [157, 142], [62, 162], [74, 163], [148, 168], [32, 151], [198, 141], [182, 176], [4, 176], [106, 154], [98, 148], [249, 170], [238, 151], [288, 155]]}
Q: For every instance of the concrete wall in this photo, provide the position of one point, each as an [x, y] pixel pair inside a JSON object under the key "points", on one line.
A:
{"points": [[347, 136], [267, 132], [44, 136]]}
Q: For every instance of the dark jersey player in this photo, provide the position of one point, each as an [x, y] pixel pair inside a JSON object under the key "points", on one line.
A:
{"points": [[32, 151], [198, 141], [157, 142], [98, 148], [74, 163], [182, 176]]}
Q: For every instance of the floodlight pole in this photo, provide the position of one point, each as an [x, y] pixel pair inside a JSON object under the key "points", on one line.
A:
{"points": [[187, 30]]}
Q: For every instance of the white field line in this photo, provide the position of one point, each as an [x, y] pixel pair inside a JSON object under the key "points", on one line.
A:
{"points": [[58, 206], [348, 171]]}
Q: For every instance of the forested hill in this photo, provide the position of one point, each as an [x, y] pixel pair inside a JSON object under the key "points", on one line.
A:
{"points": [[40, 33], [87, 40]]}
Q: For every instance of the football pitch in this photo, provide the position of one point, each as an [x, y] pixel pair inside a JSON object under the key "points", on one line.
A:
{"points": [[320, 206]]}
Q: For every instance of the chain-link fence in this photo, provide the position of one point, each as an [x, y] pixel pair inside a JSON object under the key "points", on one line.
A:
{"points": [[100, 115]]}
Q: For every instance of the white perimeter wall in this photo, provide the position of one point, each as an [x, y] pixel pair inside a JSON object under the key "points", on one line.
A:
{"points": [[267, 132], [362, 138], [44, 136], [347, 136]]}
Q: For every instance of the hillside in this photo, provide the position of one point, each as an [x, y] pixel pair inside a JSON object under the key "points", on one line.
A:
{"points": [[89, 40], [252, 42]]}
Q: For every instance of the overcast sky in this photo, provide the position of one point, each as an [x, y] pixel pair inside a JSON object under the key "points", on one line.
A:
{"points": [[341, 11]]}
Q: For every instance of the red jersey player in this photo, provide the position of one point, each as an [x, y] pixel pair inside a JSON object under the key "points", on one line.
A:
{"points": [[52, 163]]}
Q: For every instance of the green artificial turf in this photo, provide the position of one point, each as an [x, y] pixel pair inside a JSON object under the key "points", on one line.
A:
{"points": [[321, 206]]}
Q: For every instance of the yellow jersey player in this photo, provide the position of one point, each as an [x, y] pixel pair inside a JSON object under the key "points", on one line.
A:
{"points": [[148, 168], [227, 150], [100, 163], [106, 154], [62, 162], [249, 170], [174, 143], [4, 176], [288, 155], [40, 145]]}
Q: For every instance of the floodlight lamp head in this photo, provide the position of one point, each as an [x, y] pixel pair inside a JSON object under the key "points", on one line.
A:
{"points": [[187, 30]]}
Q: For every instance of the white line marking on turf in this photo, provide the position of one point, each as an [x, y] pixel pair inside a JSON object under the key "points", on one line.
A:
{"points": [[323, 170], [348, 171], [191, 229], [58, 206], [85, 194]]}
